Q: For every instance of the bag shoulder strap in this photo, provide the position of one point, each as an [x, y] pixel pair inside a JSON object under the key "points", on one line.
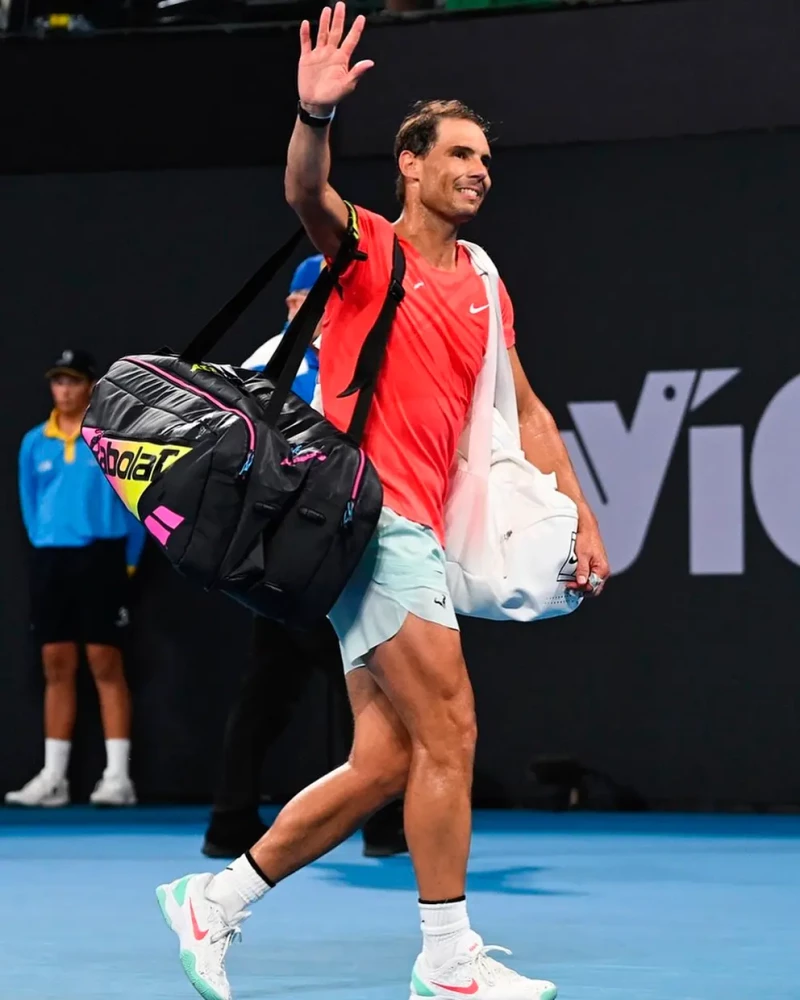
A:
{"points": [[504, 394], [481, 260], [370, 358], [284, 363]]}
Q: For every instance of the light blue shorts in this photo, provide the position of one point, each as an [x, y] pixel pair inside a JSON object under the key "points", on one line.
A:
{"points": [[402, 571]]}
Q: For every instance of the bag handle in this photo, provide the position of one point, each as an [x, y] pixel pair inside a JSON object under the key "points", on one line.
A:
{"points": [[211, 334], [370, 358], [284, 363], [286, 360]]}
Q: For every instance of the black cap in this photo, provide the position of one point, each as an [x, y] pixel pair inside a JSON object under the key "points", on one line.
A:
{"points": [[79, 363]]}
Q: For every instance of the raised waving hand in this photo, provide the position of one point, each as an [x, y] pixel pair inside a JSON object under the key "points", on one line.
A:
{"points": [[324, 73]]}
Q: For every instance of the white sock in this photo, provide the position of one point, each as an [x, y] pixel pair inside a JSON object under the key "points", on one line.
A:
{"points": [[240, 884], [443, 927], [118, 753], [56, 757]]}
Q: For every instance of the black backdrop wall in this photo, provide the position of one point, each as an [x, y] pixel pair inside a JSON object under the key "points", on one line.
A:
{"points": [[654, 280]]}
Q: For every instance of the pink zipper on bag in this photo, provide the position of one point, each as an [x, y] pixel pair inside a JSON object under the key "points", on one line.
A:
{"points": [[251, 428], [351, 503], [176, 380]]}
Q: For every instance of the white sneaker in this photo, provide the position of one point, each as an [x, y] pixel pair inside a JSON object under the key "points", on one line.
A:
{"points": [[43, 790], [204, 931], [472, 973], [113, 790]]}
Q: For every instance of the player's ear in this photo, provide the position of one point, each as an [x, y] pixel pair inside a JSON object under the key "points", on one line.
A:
{"points": [[409, 165]]}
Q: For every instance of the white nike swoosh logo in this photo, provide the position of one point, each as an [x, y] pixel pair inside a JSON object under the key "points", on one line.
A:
{"points": [[478, 309]]}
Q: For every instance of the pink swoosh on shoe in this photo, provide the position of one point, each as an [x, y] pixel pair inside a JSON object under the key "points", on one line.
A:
{"points": [[466, 990]]}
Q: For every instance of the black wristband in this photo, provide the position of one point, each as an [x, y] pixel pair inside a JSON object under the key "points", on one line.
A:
{"points": [[310, 120]]}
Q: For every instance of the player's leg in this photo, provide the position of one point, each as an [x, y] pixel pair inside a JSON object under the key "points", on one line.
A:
{"points": [[421, 669], [275, 678], [326, 812], [55, 628], [400, 580], [105, 623], [383, 831], [206, 911], [423, 674]]}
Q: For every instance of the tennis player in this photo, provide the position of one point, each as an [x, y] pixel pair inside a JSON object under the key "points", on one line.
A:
{"points": [[412, 701]]}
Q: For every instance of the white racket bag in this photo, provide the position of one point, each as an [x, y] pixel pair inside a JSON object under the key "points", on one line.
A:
{"points": [[510, 534]]}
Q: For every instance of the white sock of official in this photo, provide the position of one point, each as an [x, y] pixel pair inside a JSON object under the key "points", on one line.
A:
{"points": [[118, 754], [56, 758]]}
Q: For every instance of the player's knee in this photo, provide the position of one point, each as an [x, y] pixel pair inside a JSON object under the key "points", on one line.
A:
{"points": [[462, 733], [395, 775], [105, 664], [60, 663], [391, 783], [450, 731], [387, 773]]}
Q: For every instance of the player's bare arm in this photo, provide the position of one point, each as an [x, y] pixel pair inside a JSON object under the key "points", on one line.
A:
{"points": [[544, 447], [324, 78]]}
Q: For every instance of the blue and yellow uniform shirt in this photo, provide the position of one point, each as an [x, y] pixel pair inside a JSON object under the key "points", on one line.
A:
{"points": [[65, 498]]}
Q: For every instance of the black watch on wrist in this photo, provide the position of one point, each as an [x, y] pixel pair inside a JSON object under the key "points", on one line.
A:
{"points": [[310, 120]]}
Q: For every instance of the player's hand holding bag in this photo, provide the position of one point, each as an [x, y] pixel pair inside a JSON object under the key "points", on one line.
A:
{"points": [[510, 534]]}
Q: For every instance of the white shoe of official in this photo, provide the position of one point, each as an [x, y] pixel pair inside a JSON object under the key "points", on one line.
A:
{"points": [[113, 790], [472, 973], [204, 932], [43, 790]]}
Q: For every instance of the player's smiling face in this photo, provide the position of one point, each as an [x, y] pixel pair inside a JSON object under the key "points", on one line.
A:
{"points": [[454, 177]]}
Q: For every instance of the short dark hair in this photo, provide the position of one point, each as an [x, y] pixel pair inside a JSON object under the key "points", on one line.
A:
{"points": [[420, 127]]}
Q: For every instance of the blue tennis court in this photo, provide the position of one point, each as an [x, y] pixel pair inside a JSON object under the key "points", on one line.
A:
{"points": [[630, 907]]}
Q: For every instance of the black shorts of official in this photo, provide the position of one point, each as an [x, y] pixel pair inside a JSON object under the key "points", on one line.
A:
{"points": [[80, 594]]}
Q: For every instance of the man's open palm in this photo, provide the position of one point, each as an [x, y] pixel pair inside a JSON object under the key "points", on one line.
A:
{"points": [[324, 74]]}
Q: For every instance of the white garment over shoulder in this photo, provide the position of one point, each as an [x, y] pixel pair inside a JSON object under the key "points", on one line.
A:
{"points": [[509, 533]]}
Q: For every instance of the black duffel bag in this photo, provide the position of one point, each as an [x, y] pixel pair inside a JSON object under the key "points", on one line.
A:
{"points": [[246, 488]]}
